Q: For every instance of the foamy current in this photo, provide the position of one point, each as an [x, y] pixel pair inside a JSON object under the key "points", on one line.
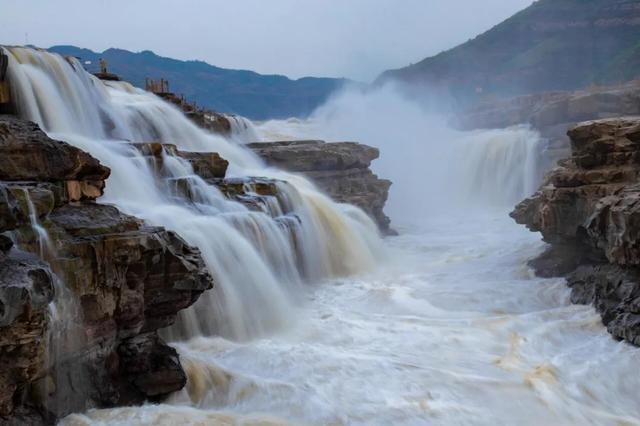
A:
{"points": [[445, 325], [455, 330], [452, 329]]}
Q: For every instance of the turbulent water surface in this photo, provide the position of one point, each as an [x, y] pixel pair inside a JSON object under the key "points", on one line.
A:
{"points": [[443, 325], [454, 330]]}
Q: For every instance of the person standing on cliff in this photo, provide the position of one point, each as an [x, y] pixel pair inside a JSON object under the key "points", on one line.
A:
{"points": [[103, 65]]}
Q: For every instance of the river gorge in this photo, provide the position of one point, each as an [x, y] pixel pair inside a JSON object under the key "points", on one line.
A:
{"points": [[263, 284]]}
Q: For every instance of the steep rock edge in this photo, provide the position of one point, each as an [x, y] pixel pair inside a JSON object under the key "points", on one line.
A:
{"points": [[207, 119], [588, 210], [124, 281], [341, 169]]}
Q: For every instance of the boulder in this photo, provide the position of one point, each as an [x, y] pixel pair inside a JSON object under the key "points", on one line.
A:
{"points": [[28, 154]]}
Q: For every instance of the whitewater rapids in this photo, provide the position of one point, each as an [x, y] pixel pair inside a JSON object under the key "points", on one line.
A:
{"points": [[456, 330], [446, 325], [452, 329]]}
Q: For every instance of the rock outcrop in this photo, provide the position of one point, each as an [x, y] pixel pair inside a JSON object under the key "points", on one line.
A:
{"points": [[588, 210], [341, 169], [112, 281], [210, 120], [207, 165]]}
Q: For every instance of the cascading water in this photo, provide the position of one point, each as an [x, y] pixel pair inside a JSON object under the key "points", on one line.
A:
{"points": [[242, 129], [433, 167], [64, 335], [250, 255], [454, 329], [42, 236]]}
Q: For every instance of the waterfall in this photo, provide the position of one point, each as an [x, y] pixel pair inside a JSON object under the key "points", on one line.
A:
{"points": [[242, 129], [45, 247], [64, 335], [259, 259], [434, 169], [498, 167]]}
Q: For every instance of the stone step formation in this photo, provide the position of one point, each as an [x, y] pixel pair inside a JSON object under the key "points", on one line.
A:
{"points": [[126, 279], [85, 288], [341, 169]]}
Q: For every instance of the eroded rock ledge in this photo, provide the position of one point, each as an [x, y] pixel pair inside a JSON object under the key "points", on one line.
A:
{"points": [[341, 169], [114, 281], [588, 209]]}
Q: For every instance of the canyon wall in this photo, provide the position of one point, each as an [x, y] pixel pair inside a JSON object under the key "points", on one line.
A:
{"points": [[588, 210]]}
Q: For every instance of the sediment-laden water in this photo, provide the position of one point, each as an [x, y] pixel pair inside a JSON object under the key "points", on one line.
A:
{"points": [[259, 260], [443, 325], [453, 330]]}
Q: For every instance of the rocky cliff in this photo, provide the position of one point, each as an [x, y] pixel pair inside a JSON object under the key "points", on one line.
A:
{"points": [[587, 209], [341, 169], [83, 287]]}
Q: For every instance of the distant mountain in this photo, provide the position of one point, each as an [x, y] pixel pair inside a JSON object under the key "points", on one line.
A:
{"points": [[551, 45], [246, 93]]}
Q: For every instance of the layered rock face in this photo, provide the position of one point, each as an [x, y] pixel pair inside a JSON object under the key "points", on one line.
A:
{"points": [[341, 169], [554, 113], [83, 298], [588, 209]]}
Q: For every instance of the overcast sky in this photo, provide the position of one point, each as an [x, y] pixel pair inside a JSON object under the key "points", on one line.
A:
{"points": [[336, 38]]}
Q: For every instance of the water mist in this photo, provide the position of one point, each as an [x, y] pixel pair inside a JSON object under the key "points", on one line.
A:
{"points": [[433, 167]]}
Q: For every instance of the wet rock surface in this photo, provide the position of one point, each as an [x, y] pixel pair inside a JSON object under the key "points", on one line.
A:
{"points": [[341, 169], [27, 153], [207, 165], [588, 209], [26, 289], [114, 280]]}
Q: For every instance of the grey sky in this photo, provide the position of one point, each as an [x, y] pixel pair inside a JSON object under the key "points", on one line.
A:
{"points": [[351, 38]]}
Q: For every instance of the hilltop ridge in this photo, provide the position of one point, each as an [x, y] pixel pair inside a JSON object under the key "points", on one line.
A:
{"points": [[551, 45], [242, 92]]}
